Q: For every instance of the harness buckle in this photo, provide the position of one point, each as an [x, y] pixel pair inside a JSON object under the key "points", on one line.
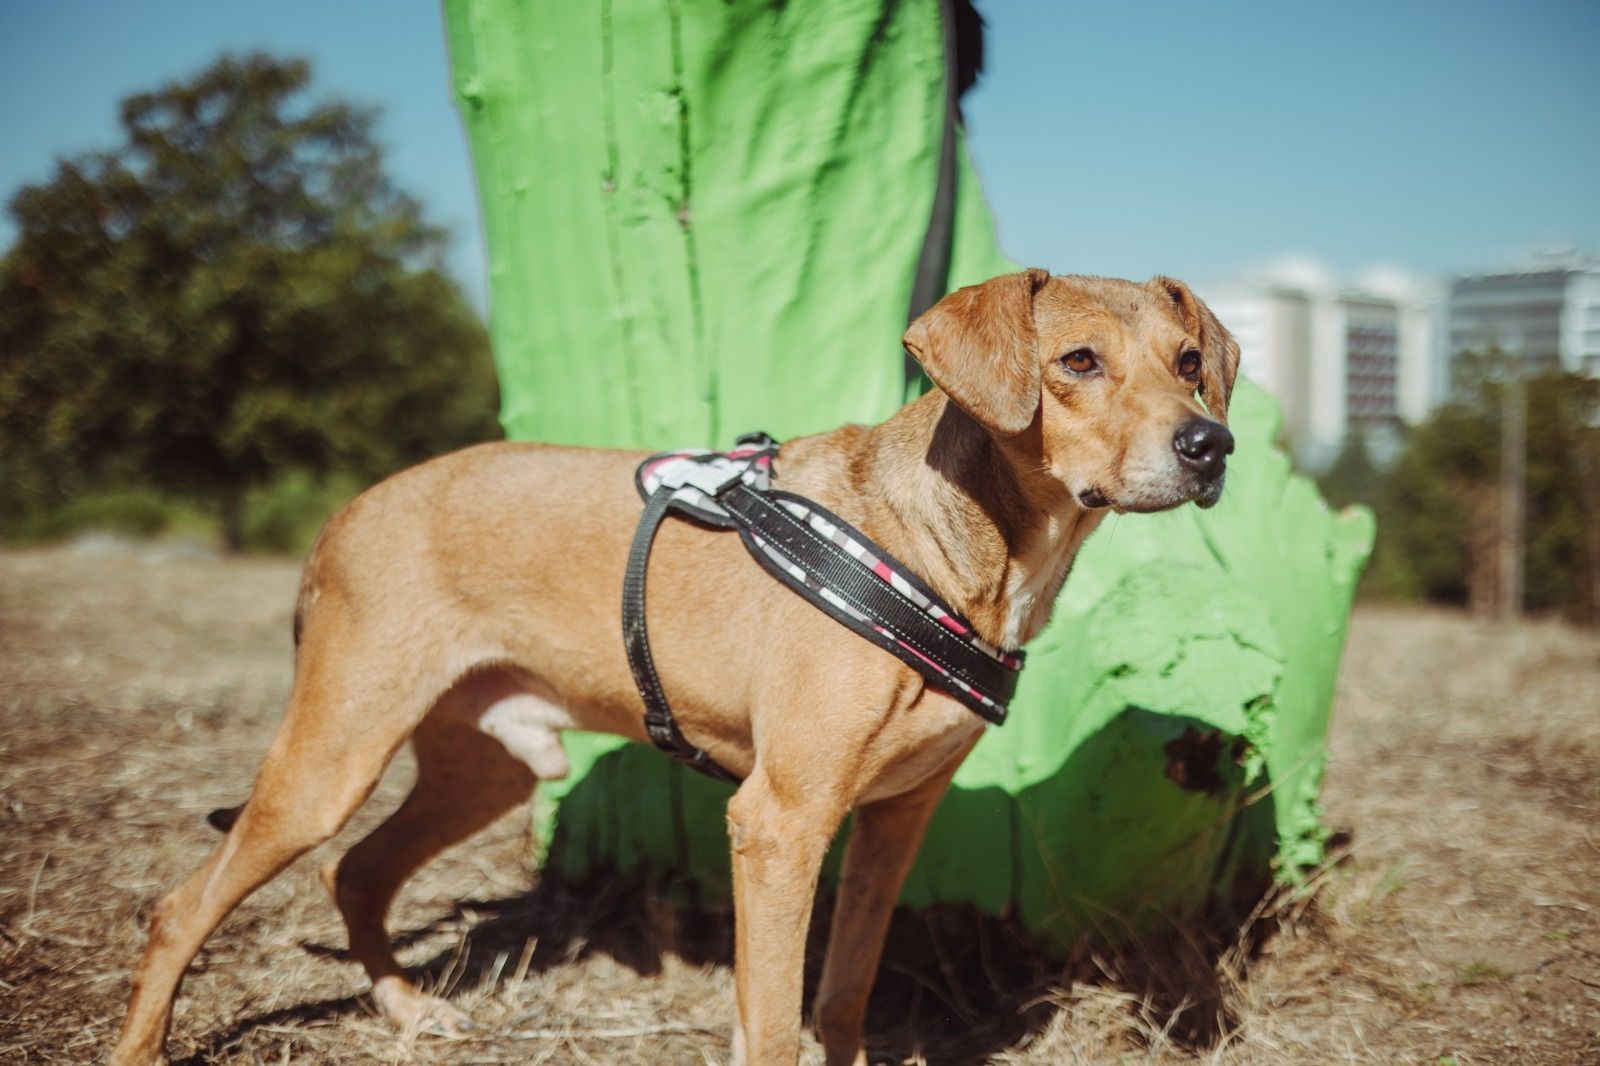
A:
{"points": [[712, 478]]}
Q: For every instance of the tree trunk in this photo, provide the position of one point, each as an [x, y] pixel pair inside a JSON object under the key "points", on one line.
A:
{"points": [[233, 520], [1513, 488], [1586, 461], [1484, 587]]}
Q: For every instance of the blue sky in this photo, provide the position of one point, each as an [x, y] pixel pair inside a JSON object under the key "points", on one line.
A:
{"points": [[1128, 138]]}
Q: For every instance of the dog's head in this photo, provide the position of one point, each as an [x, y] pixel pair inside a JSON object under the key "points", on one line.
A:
{"points": [[1117, 390]]}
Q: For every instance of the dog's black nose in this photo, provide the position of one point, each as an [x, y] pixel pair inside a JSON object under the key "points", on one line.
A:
{"points": [[1203, 445]]}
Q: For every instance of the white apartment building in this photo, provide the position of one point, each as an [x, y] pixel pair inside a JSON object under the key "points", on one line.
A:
{"points": [[1549, 314], [1337, 357]]}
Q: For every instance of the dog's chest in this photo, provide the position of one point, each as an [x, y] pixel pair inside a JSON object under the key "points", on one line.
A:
{"points": [[1033, 583]]}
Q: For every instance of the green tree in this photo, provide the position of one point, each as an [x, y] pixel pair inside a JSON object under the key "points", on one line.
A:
{"points": [[1562, 567], [1433, 503], [236, 290], [1438, 505], [1353, 477]]}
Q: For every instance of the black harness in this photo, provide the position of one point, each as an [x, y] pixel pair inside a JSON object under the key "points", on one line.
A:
{"points": [[819, 556]]}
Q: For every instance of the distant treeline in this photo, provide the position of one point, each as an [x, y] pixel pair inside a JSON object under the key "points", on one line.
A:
{"points": [[1440, 503]]}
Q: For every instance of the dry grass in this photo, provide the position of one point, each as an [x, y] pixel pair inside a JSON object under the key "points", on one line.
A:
{"points": [[138, 691]]}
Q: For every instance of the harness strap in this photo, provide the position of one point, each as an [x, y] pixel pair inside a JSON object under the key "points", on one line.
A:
{"points": [[658, 720], [824, 572]]}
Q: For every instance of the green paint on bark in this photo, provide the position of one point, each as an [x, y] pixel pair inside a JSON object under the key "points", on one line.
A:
{"points": [[704, 219]]}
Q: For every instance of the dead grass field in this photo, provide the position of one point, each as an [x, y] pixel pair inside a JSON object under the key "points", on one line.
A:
{"points": [[137, 691]]}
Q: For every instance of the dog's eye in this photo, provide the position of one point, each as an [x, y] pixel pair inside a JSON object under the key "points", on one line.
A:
{"points": [[1080, 361], [1189, 365]]}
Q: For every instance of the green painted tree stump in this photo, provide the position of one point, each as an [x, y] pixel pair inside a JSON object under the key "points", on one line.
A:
{"points": [[704, 219]]}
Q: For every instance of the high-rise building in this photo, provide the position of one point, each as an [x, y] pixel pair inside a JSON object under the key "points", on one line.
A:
{"points": [[1548, 315]]}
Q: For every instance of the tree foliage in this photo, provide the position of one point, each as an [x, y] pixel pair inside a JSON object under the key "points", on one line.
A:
{"points": [[1439, 505], [1353, 477], [236, 290]]}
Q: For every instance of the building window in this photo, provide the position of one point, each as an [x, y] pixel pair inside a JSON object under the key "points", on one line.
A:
{"points": [[1371, 375]]}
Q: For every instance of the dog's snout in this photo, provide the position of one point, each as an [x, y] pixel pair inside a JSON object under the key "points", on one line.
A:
{"points": [[1203, 445]]}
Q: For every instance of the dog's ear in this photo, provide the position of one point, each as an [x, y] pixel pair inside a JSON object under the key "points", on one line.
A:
{"points": [[978, 344], [1219, 352]]}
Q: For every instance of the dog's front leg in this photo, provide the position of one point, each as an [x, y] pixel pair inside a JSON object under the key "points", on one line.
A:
{"points": [[779, 837], [883, 843]]}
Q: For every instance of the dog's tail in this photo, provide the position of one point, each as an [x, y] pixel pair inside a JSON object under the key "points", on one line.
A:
{"points": [[222, 818]]}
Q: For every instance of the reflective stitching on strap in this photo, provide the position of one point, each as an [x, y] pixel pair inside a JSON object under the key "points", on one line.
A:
{"points": [[805, 528], [983, 675]]}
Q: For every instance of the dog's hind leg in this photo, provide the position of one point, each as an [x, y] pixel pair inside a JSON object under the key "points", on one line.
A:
{"points": [[466, 780], [339, 732]]}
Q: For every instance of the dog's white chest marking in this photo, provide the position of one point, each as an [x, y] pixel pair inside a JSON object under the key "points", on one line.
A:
{"points": [[530, 729], [1033, 583]]}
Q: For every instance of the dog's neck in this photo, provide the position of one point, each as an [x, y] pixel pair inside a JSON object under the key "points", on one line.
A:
{"points": [[980, 520]]}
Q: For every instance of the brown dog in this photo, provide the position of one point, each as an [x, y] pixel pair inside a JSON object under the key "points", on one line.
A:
{"points": [[463, 606]]}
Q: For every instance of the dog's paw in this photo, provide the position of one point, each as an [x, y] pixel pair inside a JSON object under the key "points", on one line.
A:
{"points": [[416, 1012], [443, 1019]]}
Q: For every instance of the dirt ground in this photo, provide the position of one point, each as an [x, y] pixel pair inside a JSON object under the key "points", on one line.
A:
{"points": [[139, 686]]}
